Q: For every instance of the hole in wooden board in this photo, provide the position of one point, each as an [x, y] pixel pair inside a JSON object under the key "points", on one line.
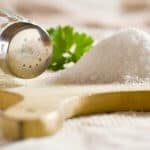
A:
{"points": [[8, 99]]}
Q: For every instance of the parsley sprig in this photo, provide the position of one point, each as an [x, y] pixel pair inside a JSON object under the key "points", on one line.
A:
{"points": [[68, 46]]}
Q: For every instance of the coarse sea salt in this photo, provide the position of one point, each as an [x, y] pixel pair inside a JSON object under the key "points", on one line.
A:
{"points": [[121, 57]]}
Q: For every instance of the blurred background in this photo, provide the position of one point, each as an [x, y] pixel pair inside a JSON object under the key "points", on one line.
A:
{"points": [[93, 14]]}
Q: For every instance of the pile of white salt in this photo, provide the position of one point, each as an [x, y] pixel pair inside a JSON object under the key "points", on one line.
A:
{"points": [[121, 57]]}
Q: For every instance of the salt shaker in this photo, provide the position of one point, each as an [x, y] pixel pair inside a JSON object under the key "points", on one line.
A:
{"points": [[25, 48]]}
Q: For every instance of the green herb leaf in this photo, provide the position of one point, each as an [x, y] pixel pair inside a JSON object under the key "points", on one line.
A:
{"points": [[68, 46]]}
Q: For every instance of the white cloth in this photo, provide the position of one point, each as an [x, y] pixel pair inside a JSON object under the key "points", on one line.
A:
{"points": [[118, 131]]}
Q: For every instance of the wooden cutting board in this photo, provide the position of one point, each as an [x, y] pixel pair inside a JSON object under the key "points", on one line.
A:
{"points": [[39, 108]]}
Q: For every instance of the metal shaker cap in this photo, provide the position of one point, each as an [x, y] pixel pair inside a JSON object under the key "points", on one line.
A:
{"points": [[28, 49]]}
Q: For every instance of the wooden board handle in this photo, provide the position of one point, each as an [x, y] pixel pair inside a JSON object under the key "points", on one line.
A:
{"points": [[34, 117]]}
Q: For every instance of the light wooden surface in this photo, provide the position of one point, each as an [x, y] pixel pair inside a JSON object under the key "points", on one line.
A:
{"points": [[32, 111]]}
